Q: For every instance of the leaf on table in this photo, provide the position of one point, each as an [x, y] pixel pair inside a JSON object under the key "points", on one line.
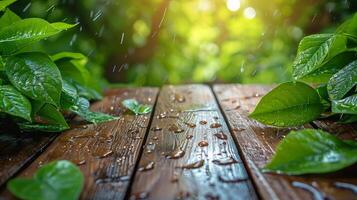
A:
{"points": [[14, 103], [343, 81], [36, 76], [311, 151], [136, 107], [56, 181], [314, 50], [27, 31], [347, 105], [289, 104]]}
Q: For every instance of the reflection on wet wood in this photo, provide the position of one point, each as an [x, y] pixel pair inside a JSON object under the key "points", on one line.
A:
{"points": [[258, 143], [17, 149], [194, 154], [106, 153]]}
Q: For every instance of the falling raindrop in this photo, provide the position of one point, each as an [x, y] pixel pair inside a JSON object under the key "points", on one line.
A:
{"points": [[26, 7]]}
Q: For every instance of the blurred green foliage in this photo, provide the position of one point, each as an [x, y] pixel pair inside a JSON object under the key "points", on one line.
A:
{"points": [[153, 42]]}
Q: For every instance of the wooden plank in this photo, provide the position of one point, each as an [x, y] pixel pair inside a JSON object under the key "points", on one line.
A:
{"points": [[17, 149], [106, 153], [258, 142], [189, 153]]}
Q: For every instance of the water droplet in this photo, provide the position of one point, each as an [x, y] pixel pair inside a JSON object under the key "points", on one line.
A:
{"points": [[80, 162], [102, 153], [203, 143], [183, 195], [203, 122], [189, 137], [176, 154], [215, 125], [156, 128], [174, 128], [236, 180], [147, 167], [221, 136], [139, 195], [178, 98], [191, 125], [193, 165], [225, 161]]}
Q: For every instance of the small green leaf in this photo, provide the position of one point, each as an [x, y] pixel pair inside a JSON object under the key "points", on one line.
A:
{"points": [[14, 103], [312, 151], [56, 181], [289, 104], [42, 127], [343, 81], [347, 105], [69, 56], [349, 27], [314, 50], [5, 3], [8, 18], [27, 31], [81, 108], [136, 107], [36, 76], [52, 115]]}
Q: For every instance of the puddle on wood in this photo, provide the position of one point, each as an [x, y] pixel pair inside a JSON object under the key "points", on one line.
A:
{"points": [[176, 154], [203, 143], [193, 165], [221, 136], [225, 161], [317, 195], [227, 180]]}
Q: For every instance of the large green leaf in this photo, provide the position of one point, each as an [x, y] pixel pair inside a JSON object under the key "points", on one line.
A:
{"points": [[5, 3], [23, 33], [57, 180], [36, 76], [312, 151], [343, 81], [347, 105], [289, 104], [8, 18], [14, 103], [51, 114], [314, 50]]}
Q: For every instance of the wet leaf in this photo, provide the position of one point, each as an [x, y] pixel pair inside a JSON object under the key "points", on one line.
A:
{"points": [[42, 127], [136, 107], [289, 104], [343, 81], [36, 76], [27, 31], [52, 115], [56, 181], [14, 103], [5, 3], [314, 50], [347, 105], [8, 18], [312, 151]]}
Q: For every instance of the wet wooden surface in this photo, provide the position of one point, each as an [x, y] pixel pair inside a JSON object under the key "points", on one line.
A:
{"points": [[190, 147], [257, 143], [106, 153], [189, 153]]}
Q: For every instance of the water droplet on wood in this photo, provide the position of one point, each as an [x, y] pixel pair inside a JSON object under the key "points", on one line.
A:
{"points": [[156, 128], [236, 180], [215, 125], [176, 154], [191, 125], [193, 165], [225, 161], [189, 137], [139, 195], [221, 136], [203, 122], [203, 143], [147, 167]]}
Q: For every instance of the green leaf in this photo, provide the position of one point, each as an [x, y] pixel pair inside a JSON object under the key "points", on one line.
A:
{"points": [[8, 18], [289, 104], [52, 115], [314, 50], [343, 81], [347, 105], [349, 27], [25, 32], [5, 3], [69, 56], [42, 127], [56, 181], [69, 95], [36, 76], [14, 103], [312, 151], [82, 109], [327, 70], [136, 107], [346, 119]]}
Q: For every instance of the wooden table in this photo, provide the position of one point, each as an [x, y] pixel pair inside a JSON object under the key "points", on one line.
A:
{"points": [[198, 143]]}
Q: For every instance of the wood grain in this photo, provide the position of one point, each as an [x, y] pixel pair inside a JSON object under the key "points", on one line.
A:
{"points": [[258, 143], [17, 149], [189, 153], [106, 153]]}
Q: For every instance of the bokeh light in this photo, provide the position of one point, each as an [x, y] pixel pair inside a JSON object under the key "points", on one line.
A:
{"points": [[249, 13], [233, 5]]}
